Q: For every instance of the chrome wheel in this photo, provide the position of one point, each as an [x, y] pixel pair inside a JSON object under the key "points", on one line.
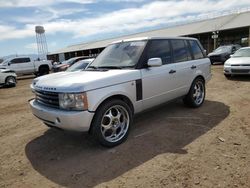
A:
{"points": [[115, 123], [10, 81], [199, 93]]}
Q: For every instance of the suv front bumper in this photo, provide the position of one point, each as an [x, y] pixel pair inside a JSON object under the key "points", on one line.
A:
{"points": [[68, 120]]}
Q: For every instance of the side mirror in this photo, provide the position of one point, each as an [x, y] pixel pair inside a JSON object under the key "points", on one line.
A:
{"points": [[205, 52], [154, 62], [231, 55]]}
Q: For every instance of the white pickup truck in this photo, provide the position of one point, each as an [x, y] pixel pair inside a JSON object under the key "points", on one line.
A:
{"points": [[26, 65], [128, 77]]}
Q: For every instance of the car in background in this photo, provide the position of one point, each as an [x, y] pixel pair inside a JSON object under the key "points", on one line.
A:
{"points": [[222, 53], [7, 77], [66, 64], [239, 63], [80, 65], [24, 65]]}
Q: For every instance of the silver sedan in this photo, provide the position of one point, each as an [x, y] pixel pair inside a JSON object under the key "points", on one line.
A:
{"points": [[239, 63]]}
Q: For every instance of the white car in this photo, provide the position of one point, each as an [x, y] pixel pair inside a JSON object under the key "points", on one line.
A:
{"points": [[239, 63], [26, 65], [7, 77], [127, 78]]}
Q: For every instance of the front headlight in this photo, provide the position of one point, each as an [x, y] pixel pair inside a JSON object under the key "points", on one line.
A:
{"points": [[73, 101]]}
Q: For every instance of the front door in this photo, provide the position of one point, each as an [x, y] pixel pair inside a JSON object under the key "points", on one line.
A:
{"points": [[158, 83]]}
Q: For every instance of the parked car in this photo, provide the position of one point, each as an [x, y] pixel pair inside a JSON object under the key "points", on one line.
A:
{"points": [[25, 65], [239, 63], [80, 65], [7, 77], [66, 64], [128, 77], [223, 53]]}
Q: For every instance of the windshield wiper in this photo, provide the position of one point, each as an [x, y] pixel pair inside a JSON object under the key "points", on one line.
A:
{"points": [[92, 67], [110, 67]]}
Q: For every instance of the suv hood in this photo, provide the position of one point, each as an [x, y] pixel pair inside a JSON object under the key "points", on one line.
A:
{"points": [[76, 82]]}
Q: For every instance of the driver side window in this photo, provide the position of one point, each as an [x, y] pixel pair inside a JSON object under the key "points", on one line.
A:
{"points": [[160, 49]]}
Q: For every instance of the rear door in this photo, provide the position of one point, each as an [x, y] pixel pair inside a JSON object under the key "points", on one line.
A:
{"points": [[158, 83], [183, 64]]}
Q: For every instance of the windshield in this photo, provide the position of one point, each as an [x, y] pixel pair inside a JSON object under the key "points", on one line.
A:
{"points": [[242, 53], [80, 65], [119, 55], [223, 49]]}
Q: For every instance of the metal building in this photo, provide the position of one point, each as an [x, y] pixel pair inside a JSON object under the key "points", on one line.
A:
{"points": [[233, 28]]}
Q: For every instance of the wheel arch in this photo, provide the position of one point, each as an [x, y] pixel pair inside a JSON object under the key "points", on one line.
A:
{"points": [[121, 97], [201, 77]]}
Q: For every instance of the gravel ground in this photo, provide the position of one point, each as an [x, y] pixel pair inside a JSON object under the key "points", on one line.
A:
{"points": [[170, 146]]}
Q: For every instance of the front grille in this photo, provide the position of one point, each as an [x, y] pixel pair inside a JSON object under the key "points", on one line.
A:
{"points": [[46, 98], [243, 71]]}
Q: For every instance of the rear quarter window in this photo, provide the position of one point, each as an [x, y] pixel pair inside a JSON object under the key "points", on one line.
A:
{"points": [[196, 50]]}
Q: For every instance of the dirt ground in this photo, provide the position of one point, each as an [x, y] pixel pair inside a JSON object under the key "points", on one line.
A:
{"points": [[170, 146]]}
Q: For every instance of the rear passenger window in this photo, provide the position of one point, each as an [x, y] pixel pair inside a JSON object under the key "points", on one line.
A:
{"points": [[180, 51], [161, 49], [197, 52], [20, 60]]}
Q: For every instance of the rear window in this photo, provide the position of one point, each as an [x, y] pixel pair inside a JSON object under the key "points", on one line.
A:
{"points": [[196, 50], [180, 51]]}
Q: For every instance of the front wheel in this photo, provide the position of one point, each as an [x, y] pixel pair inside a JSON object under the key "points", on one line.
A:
{"points": [[111, 123], [196, 94], [10, 81]]}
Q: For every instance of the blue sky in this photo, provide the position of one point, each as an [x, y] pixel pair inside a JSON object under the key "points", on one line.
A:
{"points": [[74, 21]]}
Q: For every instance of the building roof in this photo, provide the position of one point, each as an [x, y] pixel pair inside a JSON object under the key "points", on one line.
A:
{"points": [[231, 21]]}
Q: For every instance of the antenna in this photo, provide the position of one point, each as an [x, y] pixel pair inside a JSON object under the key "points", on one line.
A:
{"points": [[42, 47]]}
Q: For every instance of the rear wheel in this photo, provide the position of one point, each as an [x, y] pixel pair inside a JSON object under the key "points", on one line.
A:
{"points": [[111, 124], [10, 81], [196, 94], [43, 70]]}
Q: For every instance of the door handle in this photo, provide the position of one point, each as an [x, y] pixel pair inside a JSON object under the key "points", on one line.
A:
{"points": [[193, 67], [172, 71]]}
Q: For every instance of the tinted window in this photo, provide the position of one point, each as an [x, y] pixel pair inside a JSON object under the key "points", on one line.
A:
{"points": [[180, 51], [160, 49], [197, 52], [189, 53], [20, 60]]}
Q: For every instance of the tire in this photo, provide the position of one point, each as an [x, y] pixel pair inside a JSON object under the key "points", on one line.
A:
{"points": [[111, 123], [10, 81], [228, 75], [196, 94], [43, 70]]}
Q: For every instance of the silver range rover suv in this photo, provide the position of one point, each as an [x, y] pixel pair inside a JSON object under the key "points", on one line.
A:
{"points": [[128, 77]]}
